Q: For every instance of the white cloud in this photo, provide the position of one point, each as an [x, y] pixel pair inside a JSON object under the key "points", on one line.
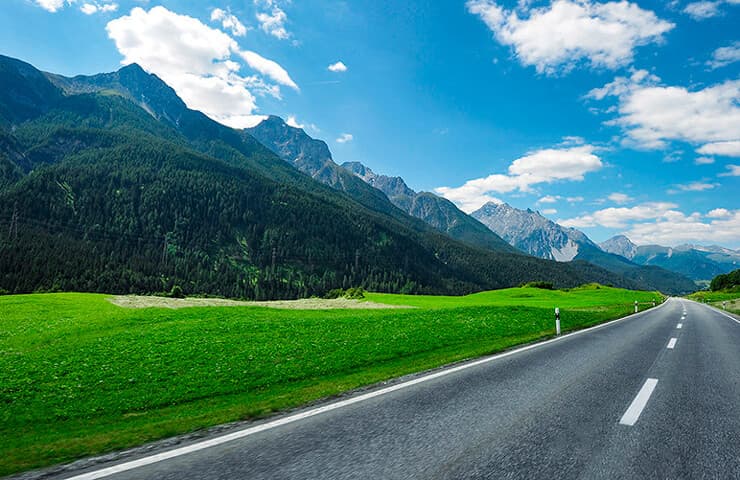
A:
{"points": [[272, 19], [725, 55], [337, 67], [52, 5], [568, 32], [727, 149], [199, 62], [704, 161], [549, 211], [694, 187], [91, 8], [676, 228], [292, 122], [652, 115], [732, 171], [549, 199], [719, 213], [619, 217], [661, 223], [268, 67], [345, 137], [617, 197], [541, 166], [575, 199], [229, 22], [702, 10]]}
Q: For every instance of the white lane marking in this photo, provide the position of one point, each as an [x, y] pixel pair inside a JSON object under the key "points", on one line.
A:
{"points": [[723, 313], [130, 465], [680, 325], [638, 404], [672, 343]]}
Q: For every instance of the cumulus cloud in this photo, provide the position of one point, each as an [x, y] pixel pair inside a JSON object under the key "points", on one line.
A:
{"points": [[199, 62], [619, 217], [725, 55], [732, 171], [661, 223], [345, 137], [541, 166], [567, 32], [337, 67], [617, 197], [52, 5], [704, 161], [693, 187], [702, 10], [291, 121], [229, 22], [727, 149], [719, 213], [549, 199], [676, 228], [92, 8], [549, 211], [272, 19], [653, 115]]}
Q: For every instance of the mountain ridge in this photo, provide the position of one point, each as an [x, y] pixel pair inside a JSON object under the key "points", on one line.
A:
{"points": [[700, 263], [541, 237], [124, 193]]}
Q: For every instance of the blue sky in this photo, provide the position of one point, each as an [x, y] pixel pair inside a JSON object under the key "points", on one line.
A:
{"points": [[613, 117]]}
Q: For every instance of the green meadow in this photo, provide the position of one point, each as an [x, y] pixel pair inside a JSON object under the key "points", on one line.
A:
{"points": [[80, 376], [729, 300]]}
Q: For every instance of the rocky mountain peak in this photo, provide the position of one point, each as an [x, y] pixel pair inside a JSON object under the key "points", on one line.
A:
{"points": [[620, 245]]}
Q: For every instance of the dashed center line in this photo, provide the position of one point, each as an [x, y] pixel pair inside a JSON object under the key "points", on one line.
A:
{"points": [[672, 343], [638, 404], [680, 325]]}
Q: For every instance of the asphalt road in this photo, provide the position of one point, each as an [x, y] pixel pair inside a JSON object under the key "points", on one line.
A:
{"points": [[613, 402]]}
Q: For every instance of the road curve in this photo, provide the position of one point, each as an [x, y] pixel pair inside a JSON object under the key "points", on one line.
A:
{"points": [[612, 402]]}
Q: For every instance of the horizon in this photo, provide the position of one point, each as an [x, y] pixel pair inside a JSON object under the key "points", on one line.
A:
{"points": [[402, 103]]}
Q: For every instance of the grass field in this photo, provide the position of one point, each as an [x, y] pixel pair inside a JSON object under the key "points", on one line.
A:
{"points": [[716, 299], [81, 376]]}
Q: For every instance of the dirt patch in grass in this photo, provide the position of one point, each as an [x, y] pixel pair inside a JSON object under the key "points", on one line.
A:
{"points": [[143, 301]]}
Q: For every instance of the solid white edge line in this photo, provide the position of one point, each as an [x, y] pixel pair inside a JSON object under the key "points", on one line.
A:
{"points": [[638, 404], [679, 326], [672, 343], [122, 467], [720, 312]]}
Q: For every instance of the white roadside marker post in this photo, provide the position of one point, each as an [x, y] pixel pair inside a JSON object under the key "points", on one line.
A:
{"points": [[724, 305], [557, 321], [635, 306]]}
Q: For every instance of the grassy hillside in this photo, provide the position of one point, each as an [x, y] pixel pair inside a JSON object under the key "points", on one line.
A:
{"points": [[80, 376]]}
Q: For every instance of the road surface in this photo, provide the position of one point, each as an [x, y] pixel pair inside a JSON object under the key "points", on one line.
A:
{"points": [[652, 396]]}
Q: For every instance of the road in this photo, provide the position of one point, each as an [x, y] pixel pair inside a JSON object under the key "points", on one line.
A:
{"points": [[639, 398]]}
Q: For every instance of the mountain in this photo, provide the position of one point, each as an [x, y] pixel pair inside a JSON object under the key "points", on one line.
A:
{"points": [[697, 262], [436, 211], [531, 232], [312, 157], [114, 185], [620, 245]]}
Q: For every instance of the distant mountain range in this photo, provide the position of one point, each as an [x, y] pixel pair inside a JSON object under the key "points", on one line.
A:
{"points": [[531, 232], [312, 157], [695, 261], [110, 183]]}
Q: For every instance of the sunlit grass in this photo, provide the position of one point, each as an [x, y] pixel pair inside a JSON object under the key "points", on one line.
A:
{"points": [[80, 376]]}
